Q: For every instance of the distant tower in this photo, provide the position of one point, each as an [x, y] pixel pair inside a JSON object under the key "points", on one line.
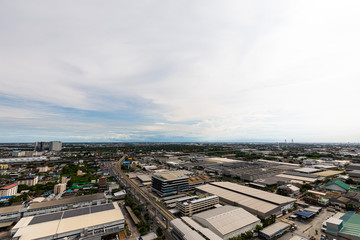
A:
{"points": [[292, 140], [285, 141]]}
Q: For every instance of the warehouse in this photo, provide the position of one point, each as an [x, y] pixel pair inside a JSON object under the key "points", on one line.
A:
{"points": [[274, 231], [94, 222], [13, 213], [181, 231], [346, 227], [227, 221], [257, 202]]}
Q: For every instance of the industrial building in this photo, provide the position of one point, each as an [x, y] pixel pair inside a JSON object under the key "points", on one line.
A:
{"points": [[257, 202], [169, 183], [181, 231], [9, 190], [191, 207], [227, 221], [145, 179], [14, 213], [89, 222], [337, 186], [198, 180], [343, 228], [23, 159], [274, 230], [354, 173]]}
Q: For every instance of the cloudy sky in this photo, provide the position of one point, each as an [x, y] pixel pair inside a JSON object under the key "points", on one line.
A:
{"points": [[179, 70]]}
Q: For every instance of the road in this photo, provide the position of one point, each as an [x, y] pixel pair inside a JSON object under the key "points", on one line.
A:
{"points": [[169, 216]]}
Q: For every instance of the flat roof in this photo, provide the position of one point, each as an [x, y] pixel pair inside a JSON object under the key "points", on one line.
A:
{"points": [[170, 176], [66, 221], [65, 201], [144, 178], [305, 179], [307, 170], [333, 220], [10, 209], [227, 219], [274, 228], [329, 173]]}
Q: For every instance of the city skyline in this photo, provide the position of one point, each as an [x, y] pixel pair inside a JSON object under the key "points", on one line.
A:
{"points": [[203, 71]]}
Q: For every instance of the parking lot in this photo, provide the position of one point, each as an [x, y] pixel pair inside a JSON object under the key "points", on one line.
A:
{"points": [[307, 228]]}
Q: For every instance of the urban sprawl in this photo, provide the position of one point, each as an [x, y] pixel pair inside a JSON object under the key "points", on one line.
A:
{"points": [[181, 191]]}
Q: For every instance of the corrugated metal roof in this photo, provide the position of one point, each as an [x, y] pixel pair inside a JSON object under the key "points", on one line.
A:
{"points": [[186, 231], [227, 219], [204, 231], [266, 196], [243, 200], [274, 228]]}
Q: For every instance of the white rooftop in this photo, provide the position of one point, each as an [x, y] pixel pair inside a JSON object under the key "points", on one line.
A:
{"points": [[274, 228], [335, 221], [46, 226], [226, 219], [306, 170]]}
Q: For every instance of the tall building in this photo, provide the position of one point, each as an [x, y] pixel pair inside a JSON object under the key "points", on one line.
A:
{"points": [[10, 190], [48, 146], [103, 182], [171, 183], [59, 188]]}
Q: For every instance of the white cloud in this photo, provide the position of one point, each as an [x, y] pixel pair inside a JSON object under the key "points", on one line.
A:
{"points": [[205, 69]]}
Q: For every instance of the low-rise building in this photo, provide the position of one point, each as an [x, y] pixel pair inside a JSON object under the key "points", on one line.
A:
{"points": [[191, 207], [274, 230], [30, 181], [9, 190], [343, 228], [43, 169], [227, 221], [338, 186], [13, 213], [198, 180], [258, 202], [90, 222]]}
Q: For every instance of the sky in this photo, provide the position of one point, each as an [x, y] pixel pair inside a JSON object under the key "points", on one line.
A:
{"points": [[179, 71]]}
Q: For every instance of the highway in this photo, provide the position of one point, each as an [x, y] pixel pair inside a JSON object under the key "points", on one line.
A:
{"points": [[169, 216]]}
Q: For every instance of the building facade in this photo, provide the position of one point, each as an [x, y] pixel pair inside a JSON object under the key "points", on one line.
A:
{"points": [[30, 181], [167, 184], [189, 208], [48, 146], [10, 190], [59, 188]]}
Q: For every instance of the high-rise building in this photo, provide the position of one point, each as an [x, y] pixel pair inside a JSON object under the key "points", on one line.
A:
{"points": [[59, 188], [166, 184], [48, 146]]}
